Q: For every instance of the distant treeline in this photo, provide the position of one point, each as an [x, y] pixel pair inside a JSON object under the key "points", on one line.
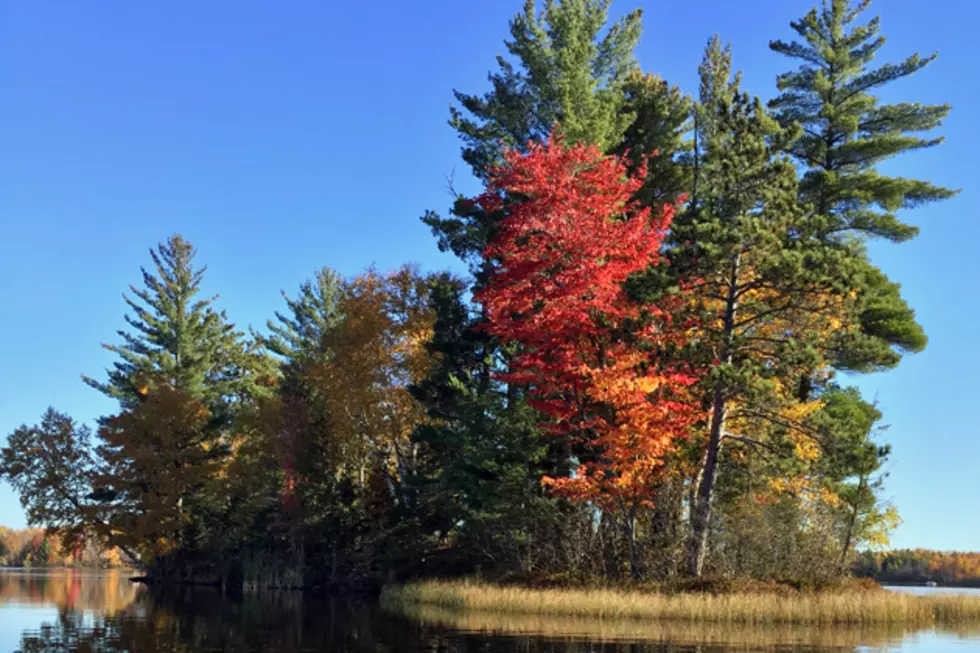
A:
{"points": [[920, 566], [33, 547]]}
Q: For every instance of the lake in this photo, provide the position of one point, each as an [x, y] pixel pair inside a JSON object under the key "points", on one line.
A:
{"points": [[72, 611]]}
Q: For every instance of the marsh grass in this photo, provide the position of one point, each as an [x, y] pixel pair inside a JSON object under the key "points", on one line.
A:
{"points": [[686, 633], [852, 608]]}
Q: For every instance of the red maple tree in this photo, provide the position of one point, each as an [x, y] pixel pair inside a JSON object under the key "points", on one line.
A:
{"points": [[592, 361]]}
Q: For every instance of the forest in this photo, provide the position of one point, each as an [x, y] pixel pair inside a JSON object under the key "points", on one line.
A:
{"points": [[918, 566], [34, 547], [640, 378]]}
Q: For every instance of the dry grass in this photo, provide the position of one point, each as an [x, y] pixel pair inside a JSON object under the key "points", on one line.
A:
{"points": [[677, 633], [853, 608]]}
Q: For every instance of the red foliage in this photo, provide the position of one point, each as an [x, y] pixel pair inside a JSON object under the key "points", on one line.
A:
{"points": [[570, 237]]}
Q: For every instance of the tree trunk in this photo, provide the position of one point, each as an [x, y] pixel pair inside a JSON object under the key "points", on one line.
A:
{"points": [[701, 509], [849, 533], [701, 514], [630, 525]]}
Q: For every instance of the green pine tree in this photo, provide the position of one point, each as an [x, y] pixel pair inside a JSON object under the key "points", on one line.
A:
{"points": [[297, 335], [847, 134], [567, 68], [181, 338], [718, 84], [570, 69], [477, 485], [661, 118], [327, 507], [765, 281], [851, 467]]}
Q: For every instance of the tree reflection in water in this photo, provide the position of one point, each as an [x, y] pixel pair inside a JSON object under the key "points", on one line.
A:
{"points": [[109, 615]]}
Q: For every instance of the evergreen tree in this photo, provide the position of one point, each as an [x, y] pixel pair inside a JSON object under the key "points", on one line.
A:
{"points": [[477, 485], [568, 72], [298, 335], [718, 84], [293, 431], [765, 283], [851, 468], [847, 133], [181, 338], [567, 69], [661, 118]]}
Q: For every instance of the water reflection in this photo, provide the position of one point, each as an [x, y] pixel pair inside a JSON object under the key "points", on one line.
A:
{"points": [[83, 613]]}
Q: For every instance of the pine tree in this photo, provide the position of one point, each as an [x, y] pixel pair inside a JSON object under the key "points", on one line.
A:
{"points": [[298, 335], [181, 338], [568, 72], [847, 133], [851, 467], [767, 288], [477, 484], [656, 138], [718, 84], [567, 69]]}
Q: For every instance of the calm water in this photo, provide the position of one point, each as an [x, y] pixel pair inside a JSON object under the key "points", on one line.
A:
{"points": [[68, 611]]}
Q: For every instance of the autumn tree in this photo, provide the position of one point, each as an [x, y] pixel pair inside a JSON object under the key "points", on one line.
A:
{"points": [[341, 428], [53, 467], [50, 466], [378, 351], [157, 455], [561, 257]]}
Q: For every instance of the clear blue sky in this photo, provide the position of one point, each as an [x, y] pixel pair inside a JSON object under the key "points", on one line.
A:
{"points": [[280, 137]]}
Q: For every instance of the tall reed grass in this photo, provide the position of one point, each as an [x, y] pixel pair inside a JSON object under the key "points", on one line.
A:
{"points": [[857, 608], [678, 633]]}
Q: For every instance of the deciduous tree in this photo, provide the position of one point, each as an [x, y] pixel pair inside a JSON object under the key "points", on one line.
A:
{"points": [[594, 366]]}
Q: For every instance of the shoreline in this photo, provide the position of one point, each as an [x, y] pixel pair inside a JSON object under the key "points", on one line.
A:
{"points": [[829, 607]]}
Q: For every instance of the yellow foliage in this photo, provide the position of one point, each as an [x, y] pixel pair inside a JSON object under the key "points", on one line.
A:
{"points": [[378, 351]]}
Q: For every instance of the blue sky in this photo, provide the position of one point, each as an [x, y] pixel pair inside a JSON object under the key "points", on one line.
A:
{"points": [[281, 137]]}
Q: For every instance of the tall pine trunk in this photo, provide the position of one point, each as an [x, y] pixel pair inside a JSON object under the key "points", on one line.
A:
{"points": [[701, 510]]}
